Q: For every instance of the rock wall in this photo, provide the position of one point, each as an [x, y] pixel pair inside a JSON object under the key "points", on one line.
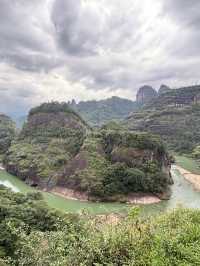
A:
{"points": [[145, 94]]}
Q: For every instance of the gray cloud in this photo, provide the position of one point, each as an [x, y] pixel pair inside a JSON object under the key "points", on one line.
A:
{"points": [[184, 11], [76, 35], [186, 15], [26, 35], [54, 49]]}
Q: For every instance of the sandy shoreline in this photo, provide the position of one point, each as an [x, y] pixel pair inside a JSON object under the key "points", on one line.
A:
{"points": [[135, 198], [194, 179], [69, 194]]}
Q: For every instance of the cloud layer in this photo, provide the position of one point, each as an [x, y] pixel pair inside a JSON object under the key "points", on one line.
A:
{"points": [[93, 49]]}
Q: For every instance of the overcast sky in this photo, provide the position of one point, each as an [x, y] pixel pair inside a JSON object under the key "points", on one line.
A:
{"points": [[94, 49]]}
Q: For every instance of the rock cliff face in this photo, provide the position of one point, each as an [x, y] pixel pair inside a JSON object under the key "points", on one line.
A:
{"points": [[111, 164], [7, 132], [185, 96], [163, 89], [57, 148], [174, 115], [145, 94], [52, 135]]}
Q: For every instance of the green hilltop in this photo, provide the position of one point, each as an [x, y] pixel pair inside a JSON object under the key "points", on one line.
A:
{"points": [[56, 147], [97, 113]]}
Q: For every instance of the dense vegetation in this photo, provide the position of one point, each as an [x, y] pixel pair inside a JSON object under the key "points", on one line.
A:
{"points": [[100, 112], [7, 133], [196, 152], [55, 107], [114, 163], [174, 115], [146, 94], [33, 235], [24, 221], [52, 135], [57, 148]]}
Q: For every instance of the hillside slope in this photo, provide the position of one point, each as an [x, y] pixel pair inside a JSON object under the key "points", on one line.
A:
{"points": [[174, 115], [52, 135], [100, 112], [57, 148], [7, 132], [111, 164]]}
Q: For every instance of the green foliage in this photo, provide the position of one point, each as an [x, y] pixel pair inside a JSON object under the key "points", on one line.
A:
{"points": [[132, 140], [196, 152], [22, 214], [7, 133], [179, 129], [97, 113], [170, 239], [112, 125], [33, 235], [108, 179], [34, 161], [134, 213], [56, 148], [174, 115], [52, 135], [54, 107]]}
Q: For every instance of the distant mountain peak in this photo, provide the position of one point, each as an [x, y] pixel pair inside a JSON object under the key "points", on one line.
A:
{"points": [[145, 94], [163, 89]]}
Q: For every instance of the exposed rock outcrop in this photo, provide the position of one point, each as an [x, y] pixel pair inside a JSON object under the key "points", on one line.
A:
{"points": [[56, 148], [163, 89], [145, 94], [174, 115], [52, 135]]}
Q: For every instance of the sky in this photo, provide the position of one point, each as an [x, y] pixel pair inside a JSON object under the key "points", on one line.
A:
{"points": [[94, 49]]}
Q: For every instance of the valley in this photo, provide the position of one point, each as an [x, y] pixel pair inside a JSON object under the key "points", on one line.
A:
{"points": [[183, 193], [99, 133], [66, 185]]}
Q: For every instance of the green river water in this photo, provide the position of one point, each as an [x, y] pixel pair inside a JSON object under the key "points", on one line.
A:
{"points": [[182, 194]]}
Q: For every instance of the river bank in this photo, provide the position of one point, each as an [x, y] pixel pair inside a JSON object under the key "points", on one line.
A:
{"points": [[133, 198], [182, 194], [194, 179]]}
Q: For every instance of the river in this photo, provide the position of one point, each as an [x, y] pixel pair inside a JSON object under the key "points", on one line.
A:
{"points": [[182, 194]]}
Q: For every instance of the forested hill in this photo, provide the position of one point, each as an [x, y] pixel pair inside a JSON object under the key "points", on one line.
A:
{"points": [[103, 111], [174, 115], [56, 147], [7, 132]]}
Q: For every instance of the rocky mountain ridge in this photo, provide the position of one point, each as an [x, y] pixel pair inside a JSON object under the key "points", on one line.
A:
{"points": [[174, 115], [97, 113]]}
